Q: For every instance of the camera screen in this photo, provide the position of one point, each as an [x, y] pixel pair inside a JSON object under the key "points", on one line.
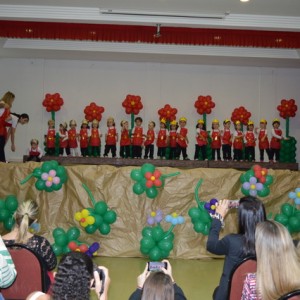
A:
{"points": [[154, 266]]}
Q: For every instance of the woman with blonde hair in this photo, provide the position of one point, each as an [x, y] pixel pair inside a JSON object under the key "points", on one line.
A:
{"points": [[25, 215], [278, 266]]}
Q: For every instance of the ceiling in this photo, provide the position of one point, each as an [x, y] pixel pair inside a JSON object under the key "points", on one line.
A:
{"points": [[247, 26]]}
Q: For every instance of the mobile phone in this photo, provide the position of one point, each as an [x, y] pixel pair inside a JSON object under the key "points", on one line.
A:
{"points": [[155, 266], [234, 203], [102, 278]]}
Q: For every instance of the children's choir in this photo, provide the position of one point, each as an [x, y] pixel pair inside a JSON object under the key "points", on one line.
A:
{"points": [[171, 140]]}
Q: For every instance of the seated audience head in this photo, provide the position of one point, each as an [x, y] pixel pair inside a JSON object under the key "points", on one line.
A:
{"points": [[73, 277], [25, 215], [158, 285], [251, 211], [278, 268]]}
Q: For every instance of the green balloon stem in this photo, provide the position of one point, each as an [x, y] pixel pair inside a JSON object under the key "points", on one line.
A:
{"points": [[26, 179], [53, 115], [287, 127], [196, 192], [169, 175], [204, 119], [168, 232], [89, 193]]}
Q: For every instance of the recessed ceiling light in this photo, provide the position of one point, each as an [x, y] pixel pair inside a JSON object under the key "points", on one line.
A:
{"points": [[244, 0]]}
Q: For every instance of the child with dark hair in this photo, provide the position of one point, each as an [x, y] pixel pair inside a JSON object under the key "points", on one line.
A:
{"points": [[162, 139], [201, 139], [149, 141], [263, 141], [84, 136], [226, 140], [250, 143], [34, 152], [182, 139], [238, 143], [50, 138], [111, 138], [275, 144], [124, 140], [215, 140], [137, 138], [63, 139], [173, 139], [95, 139]]}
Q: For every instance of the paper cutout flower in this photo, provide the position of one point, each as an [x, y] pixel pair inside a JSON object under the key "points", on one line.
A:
{"points": [[287, 108], [50, 177], [132, 104], [155, 217], [204, 105], [211, 206], [168, 113], [156, 242], [148, 179], [53, 102], [295, 196], [93, 112], [84, 218], [240, 114], [200, 217]]}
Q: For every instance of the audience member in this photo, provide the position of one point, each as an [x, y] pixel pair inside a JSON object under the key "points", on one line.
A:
{"points": [[74, 278], [278, 267], [157, 285], [7, 268], [25, 215], [235, 247]]}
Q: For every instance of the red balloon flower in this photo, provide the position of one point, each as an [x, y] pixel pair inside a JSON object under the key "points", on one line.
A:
{"points": [[53, 102], [240, 114], [168, 113], [93, 112], [287, 108], [204, 105], [153, 179], [132, 104], [260, 173]]}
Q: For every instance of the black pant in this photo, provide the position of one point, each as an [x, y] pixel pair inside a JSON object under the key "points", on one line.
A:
{"points": [[136, 151], [112, 148], [261, 152], [275, 152], [149, 150], [197, 151], [125, 151], [61, 151], [250, 153], [237, 154], [161, 152], [172, 153], [2, 145], [213, 154], [84, 151], [33, 158], [181, 150], [226, 152]]}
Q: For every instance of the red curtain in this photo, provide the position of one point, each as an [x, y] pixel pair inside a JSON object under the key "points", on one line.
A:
{"points": [[146, 34]]}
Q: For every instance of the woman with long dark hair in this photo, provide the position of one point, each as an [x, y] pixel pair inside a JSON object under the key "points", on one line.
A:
{"points": [[237, 246]]}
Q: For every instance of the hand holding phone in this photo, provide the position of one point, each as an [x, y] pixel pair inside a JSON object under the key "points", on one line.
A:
{"points": [[155, 266]]}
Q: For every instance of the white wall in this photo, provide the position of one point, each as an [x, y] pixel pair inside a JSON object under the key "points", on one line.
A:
{"points": [[260, 90]]}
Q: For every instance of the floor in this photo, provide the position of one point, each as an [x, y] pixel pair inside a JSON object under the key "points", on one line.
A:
{"points": [[197, 278]]}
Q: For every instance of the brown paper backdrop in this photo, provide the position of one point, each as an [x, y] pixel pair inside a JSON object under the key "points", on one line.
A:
{"points": [[114, 186]]}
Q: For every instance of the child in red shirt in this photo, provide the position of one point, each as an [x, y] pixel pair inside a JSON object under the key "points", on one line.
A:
{"points": [[149, 141], [84, 135], [275, 144], [263, 141], [95, 139], [137, 138], [162, 139], [73, 136], [50, 138], [173, 139], [216, 140], [238, 143], [63, 139], [182, 139], [125, 140], [226, 140], [201, 139], [250, 143], [111, 138]]}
